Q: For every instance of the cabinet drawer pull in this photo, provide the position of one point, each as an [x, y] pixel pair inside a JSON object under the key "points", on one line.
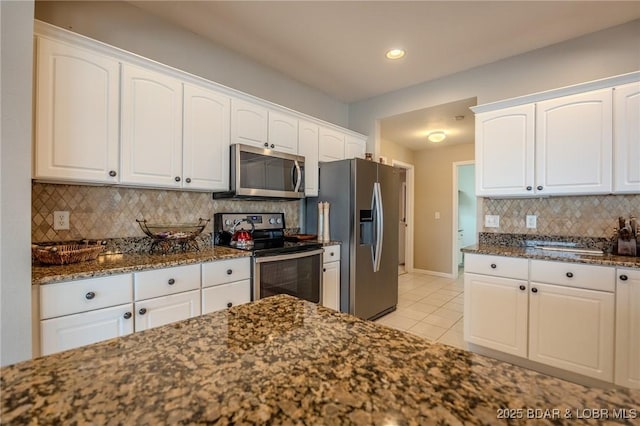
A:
{"points": [[333, 254], [324, 269], [171, 281], [229, 305], [266, 145], [177, 178], [534, 290], [623, 278], [539, 188], [90, 295], [188, 180], [229, 271], [569, 274], [529, 188], [142, 311], [272, 146], [494, 266], [112, 173], [127, 315], [522, 287]]}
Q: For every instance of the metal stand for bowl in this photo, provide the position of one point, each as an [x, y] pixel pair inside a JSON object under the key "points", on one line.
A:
{"points": [[167, 237]]}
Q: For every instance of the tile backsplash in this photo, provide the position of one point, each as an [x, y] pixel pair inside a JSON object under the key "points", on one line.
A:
{"points": [[99, 212], [586, 216]]}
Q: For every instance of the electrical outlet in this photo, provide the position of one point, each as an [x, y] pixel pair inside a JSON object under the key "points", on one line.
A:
{"points": [[437, 215], [532, 221], [60, 220], [491, 221]]}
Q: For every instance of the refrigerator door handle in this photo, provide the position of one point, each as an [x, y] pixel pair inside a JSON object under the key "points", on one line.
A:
{"points": [[379, 225]]}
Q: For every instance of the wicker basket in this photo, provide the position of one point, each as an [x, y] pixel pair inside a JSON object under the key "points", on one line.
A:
{"points": [[65, 253]]}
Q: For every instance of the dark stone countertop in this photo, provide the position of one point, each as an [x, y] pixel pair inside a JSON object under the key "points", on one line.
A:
{"points": [[534, 253], [111, 264], [282, 360]]}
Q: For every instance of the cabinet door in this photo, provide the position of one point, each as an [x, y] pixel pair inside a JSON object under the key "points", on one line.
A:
{"points": [[628, 328], [248, 124], [495, 313], [225, 296], [77, 101], [331, 285], [72, 331], [331, 145], [151, 128], [354, 147], [574, 149], [308, 147], [167, 309], [283, 133], [626, 121], [205, 139], [572, 329], [505, 151]]}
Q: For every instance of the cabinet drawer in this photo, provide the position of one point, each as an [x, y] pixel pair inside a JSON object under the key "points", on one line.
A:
{"points": [[162, 282], [591, 277], [225, 271], [84, 295], [224, 296], [331, 254], [499, 266]]}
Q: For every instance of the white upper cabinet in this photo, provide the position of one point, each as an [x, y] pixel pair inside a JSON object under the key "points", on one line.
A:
{"points": [[354, 147], [308, 147], [77, 101], [626, 121], [331, 145], [249, 123], [574, 148], [505, 151], [151, 128], [205, 139], [283, 132]]}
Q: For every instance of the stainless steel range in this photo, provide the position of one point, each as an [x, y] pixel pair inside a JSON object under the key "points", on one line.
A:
{"points": [[278, 266]]}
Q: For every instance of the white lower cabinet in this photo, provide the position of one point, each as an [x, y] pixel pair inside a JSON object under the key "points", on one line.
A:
{"points": [[627, 370], [166, 309], [331, 277], [572, 329], [555, 313], [225, 296], [72, 331], [496, 313]]}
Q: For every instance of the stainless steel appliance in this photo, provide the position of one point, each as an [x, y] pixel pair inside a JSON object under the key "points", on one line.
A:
{"points": [[364, 198], [264, 173], [278, 266]]}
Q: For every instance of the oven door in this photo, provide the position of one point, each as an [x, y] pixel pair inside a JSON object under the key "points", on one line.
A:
{"points": [[297, 274]]}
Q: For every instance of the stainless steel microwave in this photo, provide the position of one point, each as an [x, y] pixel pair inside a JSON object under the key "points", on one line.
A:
{"points": [[264, 173]]}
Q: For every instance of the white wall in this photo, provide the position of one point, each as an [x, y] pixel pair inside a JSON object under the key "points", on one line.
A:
{"points": [[15, 180], [125, 26], [598, 55]]}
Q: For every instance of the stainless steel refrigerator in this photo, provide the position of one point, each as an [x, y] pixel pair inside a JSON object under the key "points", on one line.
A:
{"points": [[363, 197]]}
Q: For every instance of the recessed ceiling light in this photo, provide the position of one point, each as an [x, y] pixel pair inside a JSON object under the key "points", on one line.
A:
{"points": [[437, 136], [395, 53]]}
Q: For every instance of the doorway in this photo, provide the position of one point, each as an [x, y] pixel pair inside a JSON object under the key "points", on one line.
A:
{"points": [[405, 223], [464, 212]]}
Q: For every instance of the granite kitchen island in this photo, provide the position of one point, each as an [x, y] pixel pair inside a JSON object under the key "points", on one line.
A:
{"points": [[282, 360]]}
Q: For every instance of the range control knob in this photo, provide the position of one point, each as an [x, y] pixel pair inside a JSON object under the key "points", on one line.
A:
{"points": [[278, 221], [227, 222], [272, 220]]}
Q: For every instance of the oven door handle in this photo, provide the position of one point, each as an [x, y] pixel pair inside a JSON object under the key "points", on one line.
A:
{"points": [[288, 256]]}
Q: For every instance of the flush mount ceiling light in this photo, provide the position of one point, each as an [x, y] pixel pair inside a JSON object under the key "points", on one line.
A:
{"points": [[395, 53], [437, 136]]}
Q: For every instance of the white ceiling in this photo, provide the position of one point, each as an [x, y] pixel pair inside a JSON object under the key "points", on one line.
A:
{"points": [[338, 47]]}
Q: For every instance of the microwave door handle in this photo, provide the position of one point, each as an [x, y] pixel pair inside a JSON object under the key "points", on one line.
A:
{"points": [[297, 178], [379, 225]]}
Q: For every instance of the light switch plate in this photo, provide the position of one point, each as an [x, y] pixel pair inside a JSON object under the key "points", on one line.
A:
{"points": [[491, 221], [532, 221]]}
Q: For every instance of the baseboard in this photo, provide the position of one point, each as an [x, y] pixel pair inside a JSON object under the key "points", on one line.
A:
{"points": [[435, 274]]}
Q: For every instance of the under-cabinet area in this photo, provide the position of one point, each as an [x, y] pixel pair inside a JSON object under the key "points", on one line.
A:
{"points": [[81, 312], [577, 318]]}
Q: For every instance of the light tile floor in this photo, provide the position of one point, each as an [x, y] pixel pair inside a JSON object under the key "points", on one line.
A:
{"points": [[430, 307]]}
